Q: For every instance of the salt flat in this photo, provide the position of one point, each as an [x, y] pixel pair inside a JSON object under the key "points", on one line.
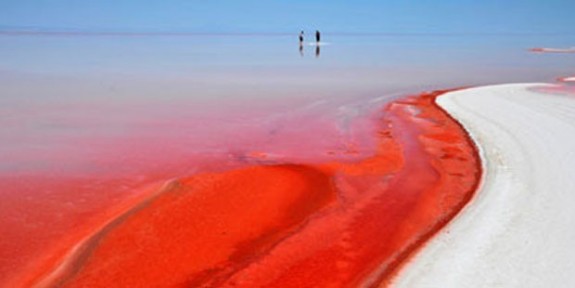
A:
{"points": [[518, 231]]}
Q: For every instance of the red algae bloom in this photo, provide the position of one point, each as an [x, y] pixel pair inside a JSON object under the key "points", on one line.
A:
{"points": [[335, 224]]}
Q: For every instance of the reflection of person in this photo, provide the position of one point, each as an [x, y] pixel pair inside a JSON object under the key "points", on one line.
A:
{"points": [[317, 51], [301, 43], [317, 36]]}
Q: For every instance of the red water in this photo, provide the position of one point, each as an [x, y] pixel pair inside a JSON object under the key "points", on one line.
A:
{"points": [[570, 79], [340, 223], [552, 50], [566, 88]]}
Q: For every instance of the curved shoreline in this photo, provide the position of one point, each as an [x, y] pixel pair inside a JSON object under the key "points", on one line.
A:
{"points": [[516, 232]]}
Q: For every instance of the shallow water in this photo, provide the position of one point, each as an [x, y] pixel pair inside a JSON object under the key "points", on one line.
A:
{"points": [[89, 120], [58, 91]]}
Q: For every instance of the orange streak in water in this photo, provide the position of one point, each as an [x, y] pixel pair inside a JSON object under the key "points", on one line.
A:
{"points": [[292, 225]]}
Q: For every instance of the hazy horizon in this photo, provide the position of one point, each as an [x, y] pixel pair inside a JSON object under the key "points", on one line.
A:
{"points": [[252, 16]]}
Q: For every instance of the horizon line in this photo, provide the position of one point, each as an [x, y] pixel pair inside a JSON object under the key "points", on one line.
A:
{"points": [[71, 32]]}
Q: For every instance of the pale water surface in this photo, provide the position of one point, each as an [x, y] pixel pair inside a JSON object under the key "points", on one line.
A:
{"points": [[66, 100]]}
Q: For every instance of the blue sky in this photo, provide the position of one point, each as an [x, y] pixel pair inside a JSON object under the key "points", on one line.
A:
{"points": [[369, 16]]}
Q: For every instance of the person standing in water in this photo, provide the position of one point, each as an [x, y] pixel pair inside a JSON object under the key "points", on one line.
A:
{"points": [[317, 36]]}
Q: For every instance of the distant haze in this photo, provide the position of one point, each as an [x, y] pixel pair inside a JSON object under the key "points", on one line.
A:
{"points": [[363, 16]]}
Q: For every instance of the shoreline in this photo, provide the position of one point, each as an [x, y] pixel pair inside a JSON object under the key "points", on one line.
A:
{"points": [[504, 214], [515, 233]]}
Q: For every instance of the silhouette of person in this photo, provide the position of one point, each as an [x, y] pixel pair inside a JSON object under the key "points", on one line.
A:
{"points": [[317, 36]]}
